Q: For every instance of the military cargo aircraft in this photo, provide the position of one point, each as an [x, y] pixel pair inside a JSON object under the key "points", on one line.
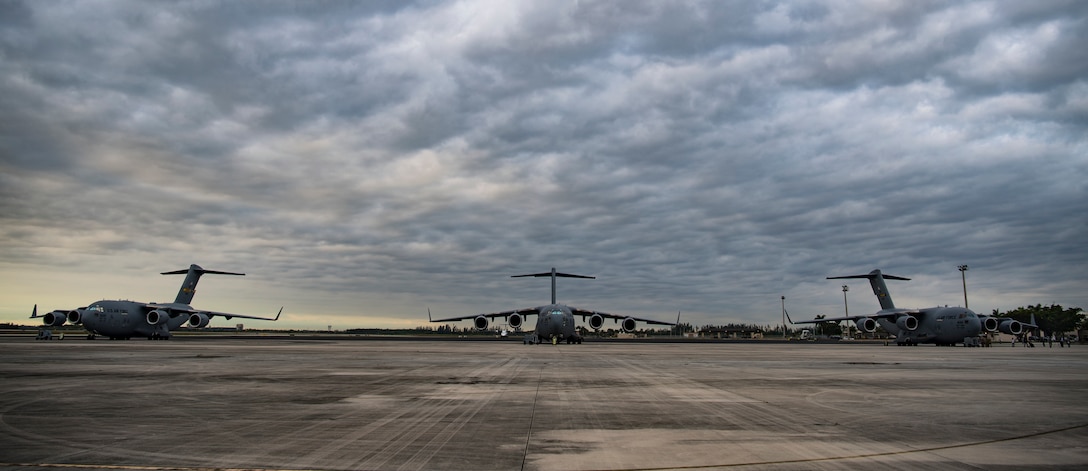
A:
{"points": [[937, 325], [554, 322], [126, 319]]}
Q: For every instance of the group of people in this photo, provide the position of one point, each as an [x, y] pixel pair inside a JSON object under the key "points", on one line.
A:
{"points": [[1026, 340]]}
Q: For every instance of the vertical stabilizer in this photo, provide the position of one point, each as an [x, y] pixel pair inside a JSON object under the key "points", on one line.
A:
{"points": [[553, 274], [192, 276], [876, 280]]}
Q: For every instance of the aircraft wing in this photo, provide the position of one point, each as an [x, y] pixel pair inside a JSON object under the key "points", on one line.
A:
{"points": [[886, 313], [999, 319], [529, 311], [174, 308], [586, 312]]}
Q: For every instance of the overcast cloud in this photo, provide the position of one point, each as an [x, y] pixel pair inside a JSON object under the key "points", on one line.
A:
{"points": [[363, 162]]}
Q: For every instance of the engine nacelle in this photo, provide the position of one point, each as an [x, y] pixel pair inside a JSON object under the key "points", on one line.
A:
{"points": [[866, 324], [480, 322], [75, 317], [1011, 327], [908, 323], [515, 320], [198, 320], [989, 324], [158, 316], [596, 321], [55, 318], [628, 325]]}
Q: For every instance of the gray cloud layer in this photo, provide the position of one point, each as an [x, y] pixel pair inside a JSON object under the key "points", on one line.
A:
{"points": [[372, 160]]}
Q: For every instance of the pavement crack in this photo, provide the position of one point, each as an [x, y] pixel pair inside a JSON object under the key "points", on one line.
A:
{"points": [[532, 416]]}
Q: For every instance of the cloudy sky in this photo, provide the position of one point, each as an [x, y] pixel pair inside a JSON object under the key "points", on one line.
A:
{"points": [[363, 162]]}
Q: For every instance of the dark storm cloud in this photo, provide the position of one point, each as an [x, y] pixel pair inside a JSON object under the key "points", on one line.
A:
{"points": [[372, 159]]}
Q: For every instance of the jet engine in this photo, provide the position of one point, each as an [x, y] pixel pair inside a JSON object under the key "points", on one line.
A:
{"points": [[480, 322], [866, 324], [55, 318], [158, 316], [1011, 327], [75, 317], [628, 325], [989, 324], [907, 322], [198, 320], [515, 320], [596, 321]]}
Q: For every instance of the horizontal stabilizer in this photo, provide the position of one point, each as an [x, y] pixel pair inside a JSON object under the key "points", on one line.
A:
{"points": [[870, 275], [200, 270], [193, 274], [557, 274], [553, 275], [876, 281]]}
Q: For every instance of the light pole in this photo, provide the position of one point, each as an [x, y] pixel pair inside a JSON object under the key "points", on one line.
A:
{"points": [[846, 307], [783, 317], [963, 275]]}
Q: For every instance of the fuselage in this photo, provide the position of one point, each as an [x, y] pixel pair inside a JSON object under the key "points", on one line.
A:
{"points": [[125, 319], [555, 321], [940, 325]]}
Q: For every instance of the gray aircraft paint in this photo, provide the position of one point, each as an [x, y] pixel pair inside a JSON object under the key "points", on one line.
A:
{"points": [[937, 325], [126, 319], [555, 321]]}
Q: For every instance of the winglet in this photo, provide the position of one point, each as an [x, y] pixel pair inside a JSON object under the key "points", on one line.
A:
{"points": [[34, 314], [278, 314], [429, 315], [787, 315]]}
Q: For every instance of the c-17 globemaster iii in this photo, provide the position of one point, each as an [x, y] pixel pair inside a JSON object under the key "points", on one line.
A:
{"points": [[554, 322], [126, 319], [937, 325]]}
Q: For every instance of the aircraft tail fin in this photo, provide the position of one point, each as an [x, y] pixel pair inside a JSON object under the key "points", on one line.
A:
{"points": [[192, 276], [554, 274], [876, 280]]}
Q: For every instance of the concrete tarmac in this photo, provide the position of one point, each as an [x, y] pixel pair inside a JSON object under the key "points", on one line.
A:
{"points": [[190, 404]]}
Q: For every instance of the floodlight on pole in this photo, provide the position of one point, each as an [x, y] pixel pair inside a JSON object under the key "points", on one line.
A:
{"points": [[963, 276], [844, 304], [846, 308], [783, 317]]}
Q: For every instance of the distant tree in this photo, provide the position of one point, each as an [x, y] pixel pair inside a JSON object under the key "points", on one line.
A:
{"points": [[828, 327], [682, 327]]}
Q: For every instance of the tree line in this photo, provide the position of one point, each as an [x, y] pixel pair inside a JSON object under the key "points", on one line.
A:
{"points": [[1051, 319]]}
